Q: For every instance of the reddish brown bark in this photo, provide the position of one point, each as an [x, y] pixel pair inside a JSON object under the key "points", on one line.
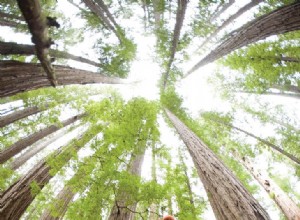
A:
{"points": [[228, 197], [282, 20], [18, 77], [9, 48], [284, 202], [37, 24], [17, 115], [22, 144], [182, 5]]}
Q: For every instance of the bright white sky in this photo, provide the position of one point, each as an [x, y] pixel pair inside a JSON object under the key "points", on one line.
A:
{"points": [[197, 93]]}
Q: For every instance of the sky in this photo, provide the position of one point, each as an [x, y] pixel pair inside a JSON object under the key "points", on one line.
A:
{"points": [[198, 94]]}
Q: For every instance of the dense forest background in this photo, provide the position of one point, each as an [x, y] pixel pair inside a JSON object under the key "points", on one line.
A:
{"points": [[127, 110]]}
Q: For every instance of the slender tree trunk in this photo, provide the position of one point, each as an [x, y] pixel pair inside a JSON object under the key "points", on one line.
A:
{"points": [[180, 14], [10, 16], [37, 24], [121, 210], [289, 95], [282, 20], [269, 144], [288, 88], [241, 11], [157, 14], [22, 144], [64, 197], [287, 206], [228, 197], [8, 23], [15, 200], [153, 207], [17, 115], [223, 8], [18, 77], [9, 48], [19, 161]]}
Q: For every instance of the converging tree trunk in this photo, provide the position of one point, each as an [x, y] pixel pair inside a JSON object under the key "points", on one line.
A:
{"points": [[182, 5], [221, 9], [122, 211], [18, 77], [9, 48], [38, 27], [22, 144], [228, 21], [228, 197], [282, 20], [287, 206]]}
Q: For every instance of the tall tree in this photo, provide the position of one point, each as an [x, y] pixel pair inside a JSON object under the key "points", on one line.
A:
{"points": [[222, 8], [223, 189], [282, 20]]}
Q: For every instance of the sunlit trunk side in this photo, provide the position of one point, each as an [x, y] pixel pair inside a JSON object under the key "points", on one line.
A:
{"points": [[19, 114], [229, 198], [22, 144], [280, 21], [180, 14], [15, 200], [284, 202], [64, 197], [228, 21], [120, 210], [10, 48], [221, 10], [38, 27], [19, 77]]}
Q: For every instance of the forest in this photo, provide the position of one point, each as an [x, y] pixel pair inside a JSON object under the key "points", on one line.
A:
{"points": [[138, 109]]}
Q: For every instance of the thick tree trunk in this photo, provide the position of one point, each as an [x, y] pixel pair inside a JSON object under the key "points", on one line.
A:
{"points": [[19, 161], [22, 144], [282, 20], [122, 211], [228, 197], [9, 48], [241, 11], [37, 24], [223, 9], [180, 14], [17, 115], [64, 197], [15, 200], [287, 206], [18, 77]]}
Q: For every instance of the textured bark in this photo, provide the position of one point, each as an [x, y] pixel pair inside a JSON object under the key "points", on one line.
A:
{"points": [[18, 77], [15, 200], [287, 206], [241, 11], [282, 20], [19, 161], [17, 115], [9, 48], [8, 23], [180, 14], [122, 211], [64, 197], [222, 9], [228, 197], [22, 144], [37, 24]]}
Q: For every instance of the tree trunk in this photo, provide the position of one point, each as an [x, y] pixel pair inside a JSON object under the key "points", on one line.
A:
{"points": [[122, 211], [287, 206], [22, 144], [223, 8], [288, 88], [17, 115], [8, 23], [64, 197], [289, 95], [10, 16], [153, 207], [228, 197], [38, 27], [180, 14], [18, 77], [9, 48], [19, 161], [15, 200], [282, 20], [241, 11]]}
